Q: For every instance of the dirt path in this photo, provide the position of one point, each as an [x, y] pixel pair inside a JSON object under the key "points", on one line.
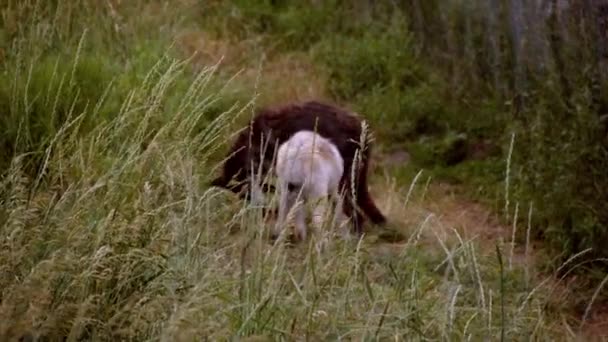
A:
{"points": [[448, 214]]}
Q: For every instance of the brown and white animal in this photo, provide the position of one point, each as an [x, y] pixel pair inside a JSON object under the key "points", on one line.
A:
{"points": [[308, 167], [271, 127]]}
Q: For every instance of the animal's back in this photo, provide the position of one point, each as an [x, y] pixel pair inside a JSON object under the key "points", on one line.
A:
{"points": [[341, 127], [308, 154]]}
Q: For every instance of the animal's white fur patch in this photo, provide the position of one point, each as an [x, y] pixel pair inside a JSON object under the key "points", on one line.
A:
{"points": [[312, 167]]}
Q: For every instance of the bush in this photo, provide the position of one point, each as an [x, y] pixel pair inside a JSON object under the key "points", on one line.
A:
{"points": [[564, 173], [42, 95], [54, 80], [381, 74]]}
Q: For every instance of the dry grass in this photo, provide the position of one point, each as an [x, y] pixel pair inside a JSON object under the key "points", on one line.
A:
{"points": [[119, 237], [134, 246], [272, 77], [452, 221]]}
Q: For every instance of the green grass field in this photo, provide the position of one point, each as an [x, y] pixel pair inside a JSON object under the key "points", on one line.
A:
{"points": [[115, 117]]}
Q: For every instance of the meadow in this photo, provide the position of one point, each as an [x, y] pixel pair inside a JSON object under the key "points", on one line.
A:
{"points": [[115, 116]]}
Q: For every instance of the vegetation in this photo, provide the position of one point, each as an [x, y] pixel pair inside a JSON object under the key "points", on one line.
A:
{"points": [[455, 82], [115, 115]]}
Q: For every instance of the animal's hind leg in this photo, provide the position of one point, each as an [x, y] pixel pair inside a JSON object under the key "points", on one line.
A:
{"points": [[350, 209], [364, 198], [320, 196], [318, 214], [285, 205], [340, 220], [300, 221]]}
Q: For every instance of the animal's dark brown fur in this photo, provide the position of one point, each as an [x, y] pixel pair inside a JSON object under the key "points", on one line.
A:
{"points": [[341, 127]]}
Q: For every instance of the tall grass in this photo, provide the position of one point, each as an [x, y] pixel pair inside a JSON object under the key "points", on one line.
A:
{"points": [[108, 229], [122, 239]]}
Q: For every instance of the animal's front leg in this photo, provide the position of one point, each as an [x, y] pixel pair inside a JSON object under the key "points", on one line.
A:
{"points": [[257, 194], [268, 210]]}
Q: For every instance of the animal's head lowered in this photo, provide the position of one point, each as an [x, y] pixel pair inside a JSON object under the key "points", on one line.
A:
{"points": [[253, 148], [233, 174]]}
